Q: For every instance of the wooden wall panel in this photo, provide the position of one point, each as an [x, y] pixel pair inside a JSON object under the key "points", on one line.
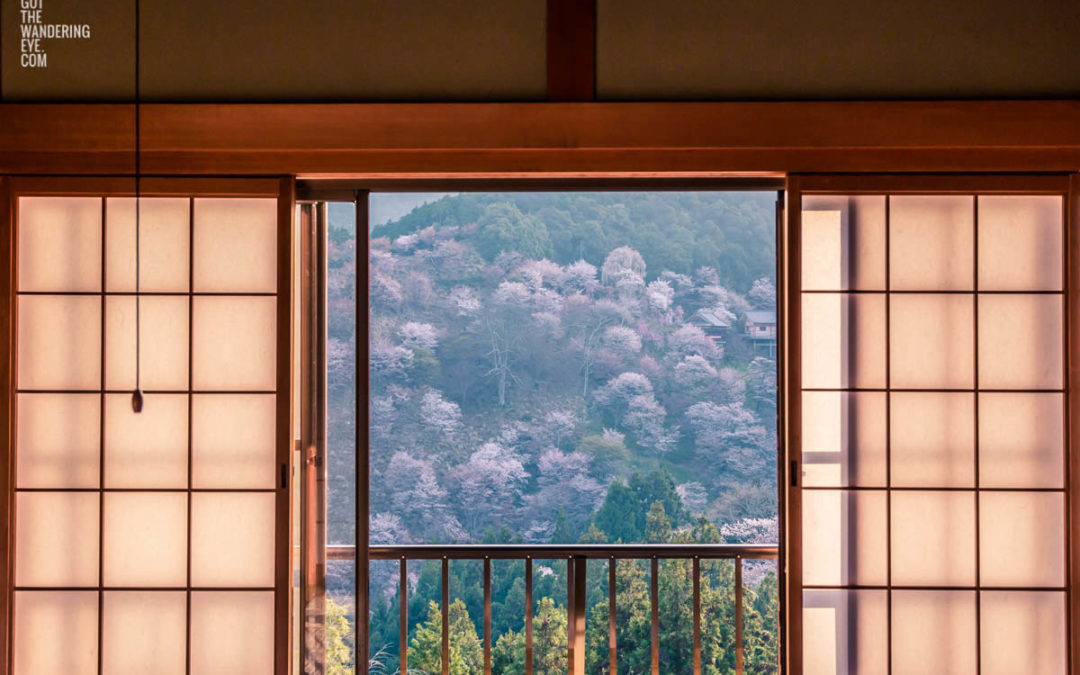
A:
{"points": [[836, 49]]}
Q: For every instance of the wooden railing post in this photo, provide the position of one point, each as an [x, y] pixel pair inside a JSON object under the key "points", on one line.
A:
{"points": [[738, 617], [575, 614]]}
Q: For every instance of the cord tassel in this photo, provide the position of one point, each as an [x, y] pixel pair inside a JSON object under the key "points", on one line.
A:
{"points": [[136, 396]]}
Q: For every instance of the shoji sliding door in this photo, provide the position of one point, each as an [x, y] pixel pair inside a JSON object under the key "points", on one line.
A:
{"points": [[152, 541], [928, 494]]}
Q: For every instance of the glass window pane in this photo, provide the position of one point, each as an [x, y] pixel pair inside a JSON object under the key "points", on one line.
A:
{"points": [[232, 441], [844, 537], [933, 439], [55, 632], [146, 449], [144, 632], [843, 340], [232, 539], [1020, 342], [59, 440], [59, 342], [56, 539], [59, 244], [164, 239], [843, 242], [845, 632], [232, 633], [145, 539], [235, 245], [1020, 243], [1021, 437], [933, 538], [931, 243], [1022, 539], [843, 438], [1023, 632], [931, 344], [235, 343], [933, 632], [163, 343]]}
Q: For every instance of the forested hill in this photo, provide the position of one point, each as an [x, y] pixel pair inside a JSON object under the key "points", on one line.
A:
{"points": [[678, 232]]}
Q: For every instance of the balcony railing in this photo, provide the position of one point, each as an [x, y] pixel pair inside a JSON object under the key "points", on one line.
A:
{"points": [[577, 558]]}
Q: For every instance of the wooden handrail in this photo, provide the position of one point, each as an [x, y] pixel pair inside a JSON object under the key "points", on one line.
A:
{"points": [[549, 551]]}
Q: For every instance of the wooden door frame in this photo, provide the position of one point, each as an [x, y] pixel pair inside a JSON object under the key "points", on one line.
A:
{"points": [[555, 139]]}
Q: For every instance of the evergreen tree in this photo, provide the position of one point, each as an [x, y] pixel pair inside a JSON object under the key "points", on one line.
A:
{"points": [[466, 651]]}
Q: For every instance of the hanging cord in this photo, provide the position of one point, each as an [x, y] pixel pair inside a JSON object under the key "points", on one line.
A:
{"points": [[136, 396]]}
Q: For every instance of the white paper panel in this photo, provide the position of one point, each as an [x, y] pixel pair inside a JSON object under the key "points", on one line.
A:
{"points": [[163, 342], [59, 342], [1020, 243], [164, 240], [933, 538], [233, 441], [843, 242], [845, 632], [844, 537], [1023, 632], [56, 539], [235, 343], [824, 264], [147, 449], [843, 439], [843, 340], [931, 343], [236, 245], [59, 245], [933, 632], [1020, 342], [931, 243], [59, 440], [232, 633], [1022, 539], [232, 539], [1020, 440], [144, 632], [933, 439], [56, 632], [145, 539]]}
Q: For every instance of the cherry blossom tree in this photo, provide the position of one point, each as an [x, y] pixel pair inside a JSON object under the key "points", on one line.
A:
{"points": [[621, 264], [762, 294], [442, 416], [622, 341], [580, 277]]}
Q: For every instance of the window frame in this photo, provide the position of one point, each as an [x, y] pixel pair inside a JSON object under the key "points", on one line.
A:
{"points": [[312, 196]]}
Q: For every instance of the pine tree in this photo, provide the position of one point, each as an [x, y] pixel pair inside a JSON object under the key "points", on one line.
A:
{"points": [[466, 652]]}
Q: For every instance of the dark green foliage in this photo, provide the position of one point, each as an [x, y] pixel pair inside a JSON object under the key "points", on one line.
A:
{"points": [[674, 231], [562, 532], [624, 514], [448, 211], [503, 227]]}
